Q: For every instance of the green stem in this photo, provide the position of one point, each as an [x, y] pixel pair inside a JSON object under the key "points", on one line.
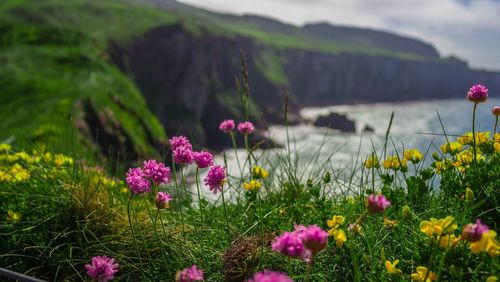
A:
{"points": [[474, 133], [496, 124], [178, 198], [225, 215], [233, 140], [249, 154], [133, 234], [199, 197]]}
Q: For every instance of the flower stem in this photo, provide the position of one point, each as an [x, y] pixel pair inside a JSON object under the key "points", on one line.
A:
{"points": [[178, 198], [233, 140], [496, 124], [474, 133], [199, 196], [132, 231]]}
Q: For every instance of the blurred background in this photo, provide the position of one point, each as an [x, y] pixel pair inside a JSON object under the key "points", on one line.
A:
{"points": [[117, 77]]}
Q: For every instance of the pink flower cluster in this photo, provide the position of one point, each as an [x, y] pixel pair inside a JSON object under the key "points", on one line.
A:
{"points": [[139, 179], [203, 159], [227, 125], [215, 178], [377, 203], [304, 242], [102, 268], [245, 127], [477, 93], [162, 200], [270, 276], [189, 274], [474, 232]]}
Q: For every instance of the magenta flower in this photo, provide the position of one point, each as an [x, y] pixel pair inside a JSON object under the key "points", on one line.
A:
{"points": [[189, 274], [245, 127], [203, 159], [136, 181], [178, 141], [102, 268], [183, 155], [474, 232], [477, 93], [162, 200], [289, 244], [215, 178], [314, 239], [496, 111], [377, 203], [156, 172], [226, 125], [270, 276]]}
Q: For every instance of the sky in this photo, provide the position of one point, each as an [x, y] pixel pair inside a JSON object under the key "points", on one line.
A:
{"points": [[469, 29]]}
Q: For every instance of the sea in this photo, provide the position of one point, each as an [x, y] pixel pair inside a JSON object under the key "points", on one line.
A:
{"points": [[423, 125]]}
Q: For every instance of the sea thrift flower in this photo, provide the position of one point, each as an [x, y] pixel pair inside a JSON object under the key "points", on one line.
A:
{"points": [[178, 141], [102, 268], [189, 274], [270, 276], [203, 159], [215, 178], [136, 181], [288, 244], [162, 200], [314, 238], [496, 111], [377, 203], [156, 172], [474, 232], [477, 93], [226, 126], [422, 273], [183, 155], [392, 269], [245, 127]]}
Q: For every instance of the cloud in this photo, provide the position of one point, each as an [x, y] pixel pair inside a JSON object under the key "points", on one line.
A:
{"points": [[469, 29]]}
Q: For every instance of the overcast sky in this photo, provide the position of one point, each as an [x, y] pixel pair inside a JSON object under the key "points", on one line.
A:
{"points": [[469, 29]]}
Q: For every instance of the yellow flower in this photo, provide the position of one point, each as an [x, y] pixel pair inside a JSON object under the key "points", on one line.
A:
{"points": [[422, 273], [481, 138], [449, 241], [487, 244], [372, 162], [19, 173], [253, 185], [497, 146], [451, 147], [336, 221], [492, 278], [61, 159], [13, 216], [5, 147], [124, 190], [413, 155], [392, 269], [389, 223], [393, 163], [339, 236], [441, 166], [259, 173], [438, 226], [496, 137]]}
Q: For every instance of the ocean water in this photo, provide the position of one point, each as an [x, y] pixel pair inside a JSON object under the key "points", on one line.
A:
{"points": [[317, 149]]}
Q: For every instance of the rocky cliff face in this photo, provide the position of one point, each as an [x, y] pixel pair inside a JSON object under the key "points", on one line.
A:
{"points": [[188, 79]]}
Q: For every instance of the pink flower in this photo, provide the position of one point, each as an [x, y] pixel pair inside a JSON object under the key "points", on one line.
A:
{"points": [[183, 155], [189, 274], [377, 203], [270, 276], [178, 141], [314, 238], [289, 244], [203, 159], [215, 178], [474, 232], [102, 268], [245, 127], [226, 125], [162, 200], [156, 172], [496, 111], [477, 93], [136, 181]]}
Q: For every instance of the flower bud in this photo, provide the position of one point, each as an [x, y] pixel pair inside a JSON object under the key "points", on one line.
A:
{"points": [[474, 232]]}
